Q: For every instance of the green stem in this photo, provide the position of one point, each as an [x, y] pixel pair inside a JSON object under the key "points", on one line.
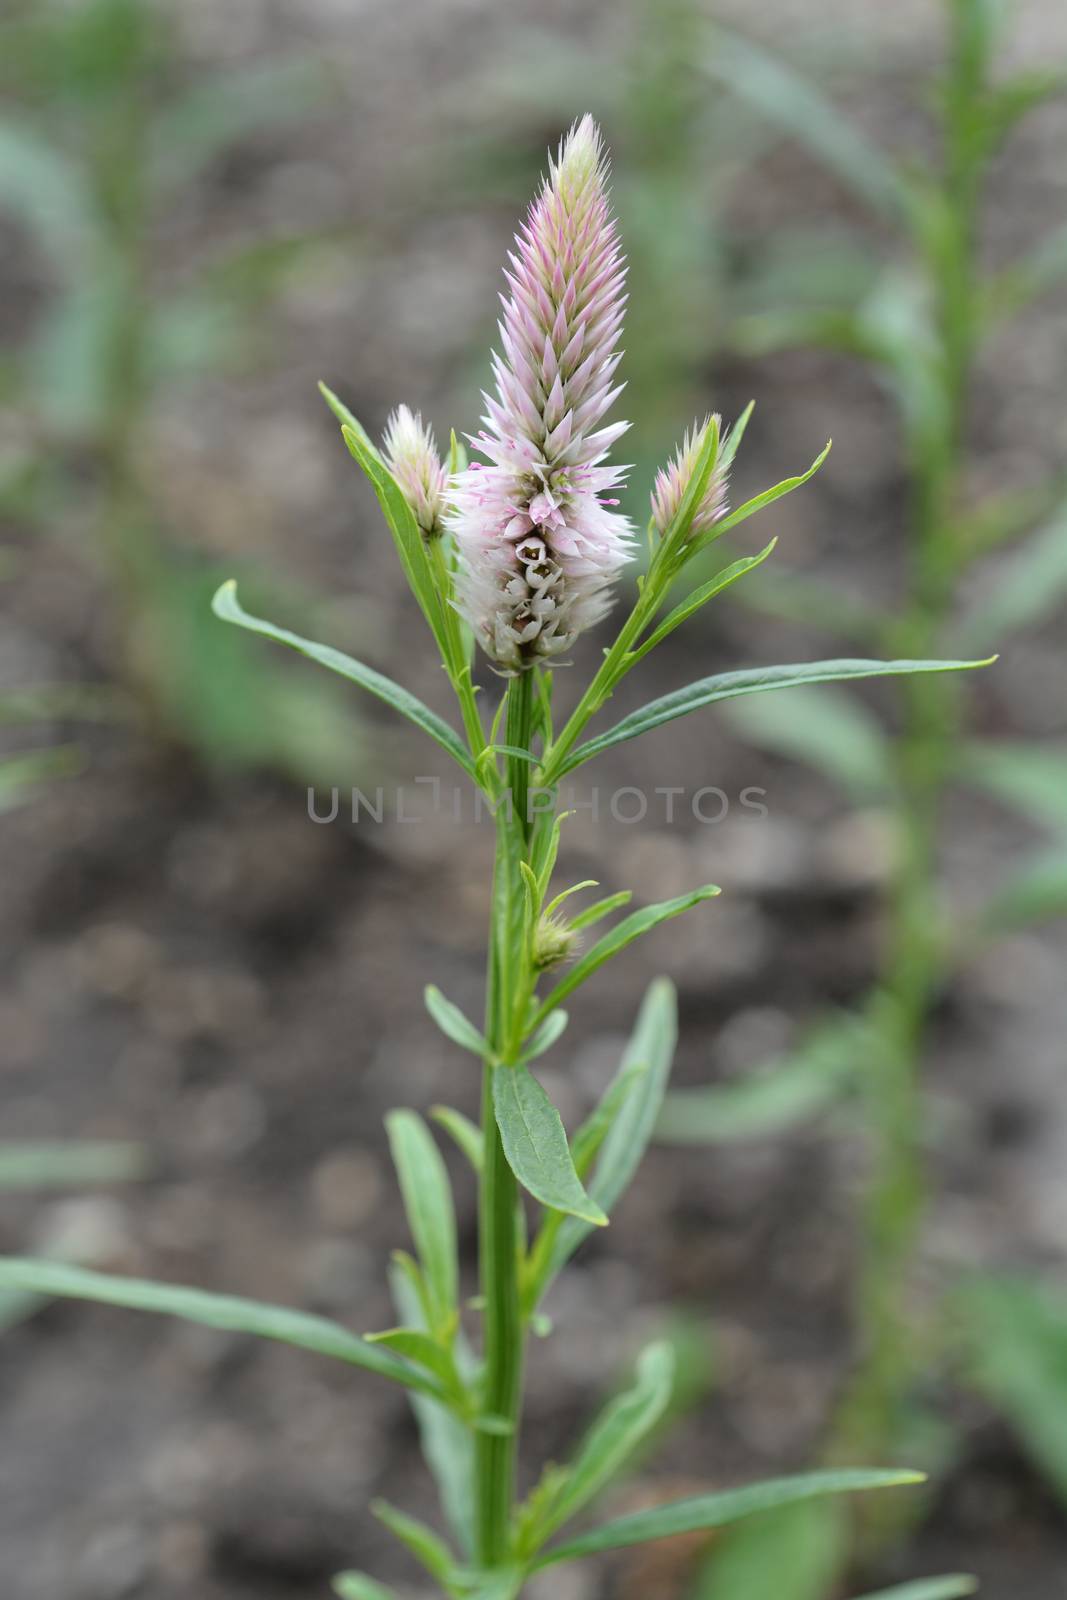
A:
{"points": [[499, 1201], [611, 669]]}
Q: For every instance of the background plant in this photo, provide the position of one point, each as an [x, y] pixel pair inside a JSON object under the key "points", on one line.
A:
{"points": [[923, 322], [104, 134]]}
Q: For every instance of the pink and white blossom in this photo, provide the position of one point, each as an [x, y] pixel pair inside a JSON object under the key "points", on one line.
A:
{"points": [[673, 480], [538, 540], [411, 455]]}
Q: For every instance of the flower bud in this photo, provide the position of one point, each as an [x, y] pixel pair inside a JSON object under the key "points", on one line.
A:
{"points": [[411, 455], [673, 480], [555, 941]]}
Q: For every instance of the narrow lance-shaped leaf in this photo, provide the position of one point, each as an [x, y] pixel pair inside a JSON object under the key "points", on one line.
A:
{"points": [[800, 109], [65, 1163], [215, 1311], [629, 929], [357, 1586], [465, 1134], [774, 1097], [452, 1023], [447, 1442], [601, 909], [612, 1439], [535, 1144], [760, 501], [828, 729], [700, 597], [407, 536], [226, 606], [645, 1065], [425, 1545], [546, 1036], [417, 1346], [708, 1511], [750, 680], [428, 1204], [951, 1587]]}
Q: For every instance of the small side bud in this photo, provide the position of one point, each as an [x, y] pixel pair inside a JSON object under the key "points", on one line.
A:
{"points": [[411, 454], [673, 480], [555, 941]]}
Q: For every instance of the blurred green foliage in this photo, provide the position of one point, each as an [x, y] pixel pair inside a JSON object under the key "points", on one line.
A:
{"points": [[919, 314], [105, 129]]}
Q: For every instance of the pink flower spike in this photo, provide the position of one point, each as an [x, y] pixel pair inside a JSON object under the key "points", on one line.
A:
{"points": [[411, 455], [539, 549], [673, 480]]}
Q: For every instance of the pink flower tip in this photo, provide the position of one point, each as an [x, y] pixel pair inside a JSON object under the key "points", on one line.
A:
{"points": [[411, 455], [673, 480]]}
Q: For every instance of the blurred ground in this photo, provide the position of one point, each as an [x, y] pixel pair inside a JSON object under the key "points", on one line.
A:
{"points": [[187, 960]]}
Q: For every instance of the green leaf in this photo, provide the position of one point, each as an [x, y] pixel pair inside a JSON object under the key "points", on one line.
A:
{"points": [[601, 909], [1016, 1339], [617, 939], [463, 1133], [216, 114], [415, 1345], [546, 1036], [226, 606], [707, 1511], [535, 1144], [767, 498], [828, 729], [19, 774], [1030, 586], [731, 443], [228, 1312], [801, 110], [40, 186], [453, 1024], [750, 680], [67, 1164], [1034, 894], [1032, 779], [408, 540], [447, 1442], [611, 1440], [431, 1218], [772, 1098], [425, 1545], [793, 1554], [594, 1130], [951, 1587], [357, 1586], [648, 1056], [700, 597], [347, 420]]}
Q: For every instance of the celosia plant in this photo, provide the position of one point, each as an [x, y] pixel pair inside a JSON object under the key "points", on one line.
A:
{"points": [[520, 551]]}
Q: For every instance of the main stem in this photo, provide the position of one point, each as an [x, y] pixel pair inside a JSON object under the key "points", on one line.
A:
{"points": [[498, 1200]]}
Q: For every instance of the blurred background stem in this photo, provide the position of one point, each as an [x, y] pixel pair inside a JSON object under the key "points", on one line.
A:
{"points": [[893, 1351]]}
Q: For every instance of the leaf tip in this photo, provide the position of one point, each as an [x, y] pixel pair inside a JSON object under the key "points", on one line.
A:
{"points": [[224, 599]]}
